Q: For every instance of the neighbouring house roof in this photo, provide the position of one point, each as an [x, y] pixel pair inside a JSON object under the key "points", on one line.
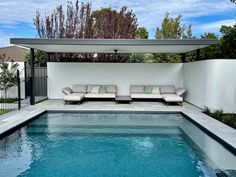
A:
{"points": [[110, 45], [15, 53]]}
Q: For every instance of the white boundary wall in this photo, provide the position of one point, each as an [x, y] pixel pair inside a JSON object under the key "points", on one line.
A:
{"points": [[121, 74], [211, 83]]}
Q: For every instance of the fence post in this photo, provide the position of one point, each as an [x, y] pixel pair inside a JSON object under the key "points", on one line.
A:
{"points": [[18, 89]]}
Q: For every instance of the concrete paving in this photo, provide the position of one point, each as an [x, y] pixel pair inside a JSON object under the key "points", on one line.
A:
{"points": [[219, 129]]}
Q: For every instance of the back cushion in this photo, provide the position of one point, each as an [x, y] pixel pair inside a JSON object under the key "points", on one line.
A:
{"points": [[111, 88], [89, 88], [156, 89], [167, 89], [79, 88], [136, 88]]}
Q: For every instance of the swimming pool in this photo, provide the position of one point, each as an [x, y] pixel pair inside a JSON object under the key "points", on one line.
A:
{"points": [[113, 144]]}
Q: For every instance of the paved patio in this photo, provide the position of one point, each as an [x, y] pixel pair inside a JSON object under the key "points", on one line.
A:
{"points": [[222, 131]]}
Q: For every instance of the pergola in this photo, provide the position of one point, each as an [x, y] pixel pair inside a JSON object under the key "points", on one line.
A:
{"points": [[181, 46]]}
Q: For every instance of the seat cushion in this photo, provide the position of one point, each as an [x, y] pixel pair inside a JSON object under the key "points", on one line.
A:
{"points": [[146, 96], [100, 95], [77, 88], [74, 97], [167, 89], [172, 98]]}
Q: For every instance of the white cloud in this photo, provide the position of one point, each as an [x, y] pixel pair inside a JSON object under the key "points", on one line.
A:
{"points": [[5, 39], [213, 26]]}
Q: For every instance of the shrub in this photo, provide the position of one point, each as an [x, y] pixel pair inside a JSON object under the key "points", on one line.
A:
{"points": [[206, 110], [217, 114], [230, 119]]}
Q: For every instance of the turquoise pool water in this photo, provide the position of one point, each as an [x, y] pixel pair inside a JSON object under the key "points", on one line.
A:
{"points": [[104, 145]]}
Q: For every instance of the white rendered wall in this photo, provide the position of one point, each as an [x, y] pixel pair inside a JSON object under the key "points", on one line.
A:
{"points": [[121, 74], [211, 83]]}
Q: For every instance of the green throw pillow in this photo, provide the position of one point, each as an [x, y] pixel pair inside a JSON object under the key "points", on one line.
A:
{"points": [[148, 89], [102, 89]]}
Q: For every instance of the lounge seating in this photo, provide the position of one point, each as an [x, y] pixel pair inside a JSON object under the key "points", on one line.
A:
{"points": [[145, 92], [101, 91], [166, 92], [79, 92], [172, 95]]}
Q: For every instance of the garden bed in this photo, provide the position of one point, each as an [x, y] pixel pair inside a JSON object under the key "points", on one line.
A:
{"points": [[226, 118], [8, 100]]}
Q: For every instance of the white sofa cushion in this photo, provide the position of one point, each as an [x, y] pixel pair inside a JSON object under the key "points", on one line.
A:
{"points": [[78, 88], [180, 91], [74, 97], [136, 89], [100, 95], [67, 90], [156, 89], [172, 98], [146, 95], [95, 89], [167, 89]]}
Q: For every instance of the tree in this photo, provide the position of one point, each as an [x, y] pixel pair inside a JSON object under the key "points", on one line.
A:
{"points": [[171, 28], [142, 33], [212, 51], [77, 23], [7, 74], [233, 1], [112, 24], [40, 59], [228, 41], [81, 22]]}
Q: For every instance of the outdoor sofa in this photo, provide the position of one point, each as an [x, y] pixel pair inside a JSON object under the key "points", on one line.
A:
{"points": [[79, 92], [168, 93]]}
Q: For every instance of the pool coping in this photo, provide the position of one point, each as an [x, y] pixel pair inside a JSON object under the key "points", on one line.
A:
{"points": [[198, 122]]}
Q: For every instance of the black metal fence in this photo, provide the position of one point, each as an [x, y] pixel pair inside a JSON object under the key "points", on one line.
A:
{"points": [[10, 98], [19, 94]]}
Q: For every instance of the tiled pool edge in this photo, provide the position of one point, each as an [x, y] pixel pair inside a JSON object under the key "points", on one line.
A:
{"points": [[228, 144]]}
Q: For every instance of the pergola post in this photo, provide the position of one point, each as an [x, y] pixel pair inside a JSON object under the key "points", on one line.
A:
{"points": [[32, 82], [48, 57], [183, 57], [198, 54]]}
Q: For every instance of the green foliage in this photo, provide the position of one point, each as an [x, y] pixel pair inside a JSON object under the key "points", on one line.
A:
{"points": [[40, 59], [7, 73], [142, 33], [206, 110], [171, 28], [217, 114], [212, 51], [136, 58], [228, 41], [8, 100], [4, 111], [230, 119]]}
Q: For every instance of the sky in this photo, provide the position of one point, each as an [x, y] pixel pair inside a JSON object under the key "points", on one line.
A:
{"points": [[16, 16]]}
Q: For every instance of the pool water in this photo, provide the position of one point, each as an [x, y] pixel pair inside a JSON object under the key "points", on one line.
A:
{"points": [[104, 145]]}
